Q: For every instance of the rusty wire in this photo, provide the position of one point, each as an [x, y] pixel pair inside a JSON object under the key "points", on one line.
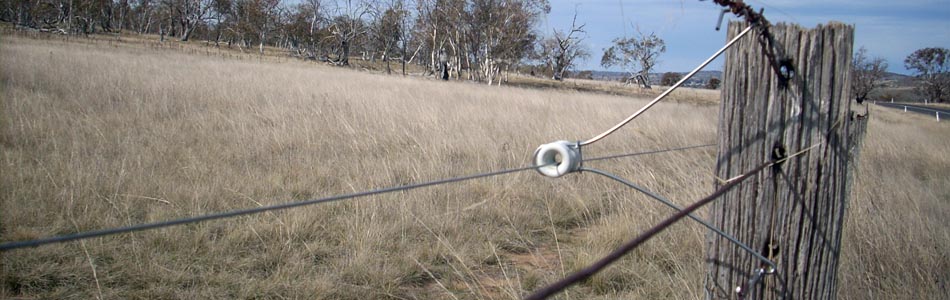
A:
{"points": [[612, 257], [773, 53], [740, 9]]}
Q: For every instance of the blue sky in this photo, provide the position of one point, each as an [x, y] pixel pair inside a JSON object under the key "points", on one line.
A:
{"points": [[890, 29]]}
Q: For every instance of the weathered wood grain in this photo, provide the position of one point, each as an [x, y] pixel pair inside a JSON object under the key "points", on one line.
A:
{"points": [[794, 212]]}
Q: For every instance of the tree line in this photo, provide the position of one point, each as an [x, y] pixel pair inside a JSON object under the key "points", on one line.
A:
{"points": [[474, 39]]}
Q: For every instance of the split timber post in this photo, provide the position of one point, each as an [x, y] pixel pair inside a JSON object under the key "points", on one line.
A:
{"points": [[793, 212]]}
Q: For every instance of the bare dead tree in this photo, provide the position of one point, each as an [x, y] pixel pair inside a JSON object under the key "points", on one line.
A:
{"points": [[347, 26], [386, 28], [562, 49], [406, 35], [190, 15], [866, 74]]}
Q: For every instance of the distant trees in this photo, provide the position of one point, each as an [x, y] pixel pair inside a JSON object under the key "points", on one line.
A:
{"points": [[636, 55], [933, 72], [501, 33], [387, 29], [63, 16], [264, 17], [866, 74], [306, 29], [670, 78], [190, 14], [251, 22], [562, 49], [347, 26], [480, 39], [586, 74], [713, 83]]}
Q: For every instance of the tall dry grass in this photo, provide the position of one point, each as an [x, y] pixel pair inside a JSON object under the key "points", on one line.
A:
{"points": [[95, 136], [897, 237]]}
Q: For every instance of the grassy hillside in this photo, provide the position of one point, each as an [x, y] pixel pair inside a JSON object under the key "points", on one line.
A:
{"points": [[95, 135]]}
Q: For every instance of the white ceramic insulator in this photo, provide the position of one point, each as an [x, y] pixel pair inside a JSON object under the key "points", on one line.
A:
{"points": [[547, 154]]}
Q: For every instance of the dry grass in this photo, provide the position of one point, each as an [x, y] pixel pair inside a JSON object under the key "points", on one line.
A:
{"points": [[897, 237], [681, 95], [95, 136], [271, 54]]}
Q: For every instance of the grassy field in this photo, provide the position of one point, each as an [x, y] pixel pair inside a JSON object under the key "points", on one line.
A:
{"points": [[95, 135], [271, 54]]}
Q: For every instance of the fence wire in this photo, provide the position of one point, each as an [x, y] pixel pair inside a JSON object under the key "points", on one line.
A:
{"points": [[235, 213], [589, 271], [755, 20]]}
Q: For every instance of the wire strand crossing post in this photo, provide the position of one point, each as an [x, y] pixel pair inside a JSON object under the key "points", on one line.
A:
{"points": [[612, 257], [669, 90], [794, 213], [670, 204]]}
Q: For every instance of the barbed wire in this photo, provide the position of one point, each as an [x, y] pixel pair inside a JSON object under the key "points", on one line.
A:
{"points": [[755, 20], [612, 257], [670, 204], [235, 213], [780, 65], [773, 268], [740, 9]]}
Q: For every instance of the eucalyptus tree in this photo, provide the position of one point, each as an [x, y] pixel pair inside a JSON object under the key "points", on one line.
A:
{"points": [[637, 55]]}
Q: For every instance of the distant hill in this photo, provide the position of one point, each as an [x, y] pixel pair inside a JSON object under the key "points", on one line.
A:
{"points": [[698, 80], [898, 80]]}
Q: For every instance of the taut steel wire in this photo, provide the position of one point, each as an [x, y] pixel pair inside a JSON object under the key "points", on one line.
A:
{"points": [[589, 271], [599, 265], [235, 213], [669, 90], [667, 202]]}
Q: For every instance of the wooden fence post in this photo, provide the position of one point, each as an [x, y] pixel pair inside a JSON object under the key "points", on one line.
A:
{"points": [[794, 212]]}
